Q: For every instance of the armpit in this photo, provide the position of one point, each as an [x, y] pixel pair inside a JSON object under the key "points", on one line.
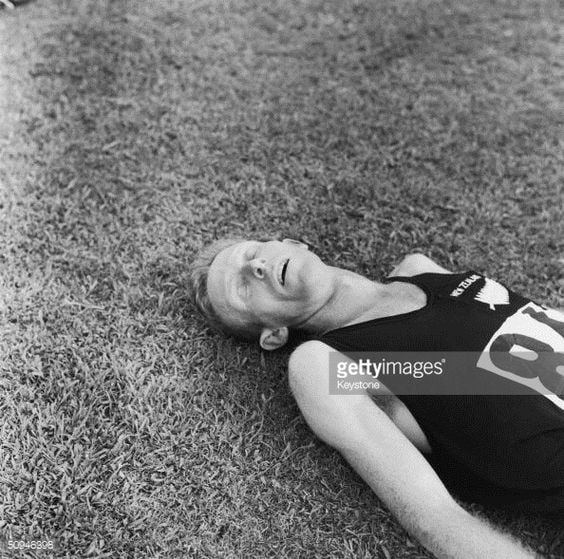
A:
{"points": [[403, 419]]}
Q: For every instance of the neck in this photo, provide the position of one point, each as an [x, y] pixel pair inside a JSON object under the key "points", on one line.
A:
{"points": [[353, 298]]}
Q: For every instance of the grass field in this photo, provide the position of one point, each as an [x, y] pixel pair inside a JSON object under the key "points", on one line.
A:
{"points": [[134, 132]]}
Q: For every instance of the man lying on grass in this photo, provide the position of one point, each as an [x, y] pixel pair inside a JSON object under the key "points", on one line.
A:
{"points": [[501, 450]]}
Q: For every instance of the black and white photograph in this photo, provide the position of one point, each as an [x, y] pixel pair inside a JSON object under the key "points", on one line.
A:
{"points": [[281, 279]]}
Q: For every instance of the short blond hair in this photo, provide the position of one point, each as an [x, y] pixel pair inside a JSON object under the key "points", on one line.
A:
{"points": [[198, 287]]}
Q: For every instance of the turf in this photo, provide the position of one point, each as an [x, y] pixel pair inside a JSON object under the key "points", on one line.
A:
{"points": [[132, 134]]}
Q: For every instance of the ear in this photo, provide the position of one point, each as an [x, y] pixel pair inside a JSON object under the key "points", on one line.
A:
{"points": [[273, 339], [297, 243]]}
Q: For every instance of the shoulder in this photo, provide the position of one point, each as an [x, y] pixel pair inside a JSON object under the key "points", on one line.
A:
{"points": [[309, 366], [417, 263], [310, 354]]}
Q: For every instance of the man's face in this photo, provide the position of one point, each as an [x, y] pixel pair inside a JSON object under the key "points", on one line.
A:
{"points": [[271, 284]]}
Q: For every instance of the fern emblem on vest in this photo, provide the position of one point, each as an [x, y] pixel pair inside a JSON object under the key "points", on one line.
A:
{"points": [[492, 294]]}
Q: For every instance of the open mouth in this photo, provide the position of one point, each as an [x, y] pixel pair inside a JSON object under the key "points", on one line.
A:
{"points": [[283, 272]]}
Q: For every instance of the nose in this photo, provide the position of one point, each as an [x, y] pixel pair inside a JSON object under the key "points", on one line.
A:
{"points": [[258, 267]]}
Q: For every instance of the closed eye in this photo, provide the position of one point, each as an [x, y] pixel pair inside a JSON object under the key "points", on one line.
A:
{"points": [[248, 255], [244, 287]]}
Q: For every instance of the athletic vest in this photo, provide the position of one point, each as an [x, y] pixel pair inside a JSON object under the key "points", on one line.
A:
{"points": [[490, 448]]}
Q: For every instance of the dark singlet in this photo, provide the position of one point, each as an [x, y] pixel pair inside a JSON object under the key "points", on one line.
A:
{"points": [[501, 450]]}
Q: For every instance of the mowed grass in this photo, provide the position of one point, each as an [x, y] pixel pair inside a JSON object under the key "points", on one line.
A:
{"points": [[132, 134]]}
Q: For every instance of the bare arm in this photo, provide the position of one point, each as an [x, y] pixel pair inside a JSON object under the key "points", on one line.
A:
{"points": [[391, 465]]}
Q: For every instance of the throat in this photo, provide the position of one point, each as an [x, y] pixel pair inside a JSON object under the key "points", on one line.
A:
{"points": [[402, 298], [358, 299], [384, 300]]}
